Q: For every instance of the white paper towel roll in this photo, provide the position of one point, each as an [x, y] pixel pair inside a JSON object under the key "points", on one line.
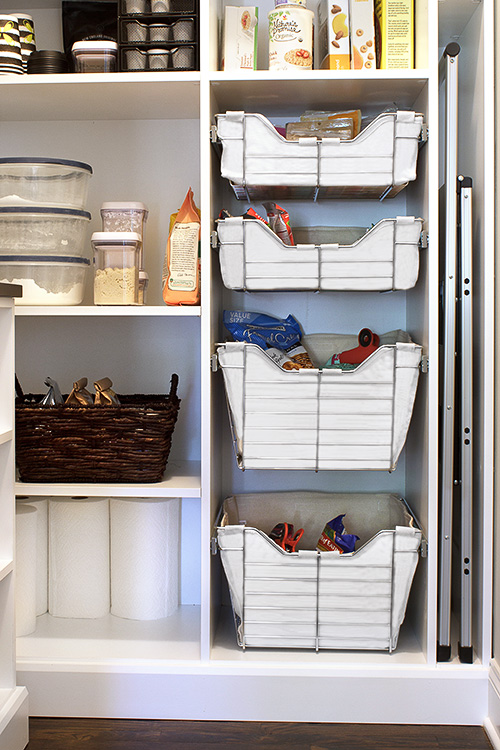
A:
{"points": [[79, 557], [145, 536], [42, 540], [25, 567]]}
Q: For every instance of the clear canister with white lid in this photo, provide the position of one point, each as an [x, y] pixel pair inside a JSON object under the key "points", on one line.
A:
{"points": [[116, 267], [125, 216]]}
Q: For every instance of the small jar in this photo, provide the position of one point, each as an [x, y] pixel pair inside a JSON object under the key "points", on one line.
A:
{"points": [[95, 56], [116, 268]]}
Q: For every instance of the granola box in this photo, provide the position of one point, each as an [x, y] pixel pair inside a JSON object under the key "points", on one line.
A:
{"points": [[239, 38], [334, 39], [291, 38], [394, 28], [362, 35]]}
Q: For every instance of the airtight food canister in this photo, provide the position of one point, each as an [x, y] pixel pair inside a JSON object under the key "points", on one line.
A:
{"points": [[291, 38], [116, 268]]}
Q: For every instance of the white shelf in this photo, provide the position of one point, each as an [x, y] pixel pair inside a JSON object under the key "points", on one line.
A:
{"points": [[108, 311], [265, 92], [181, 479], [6, 568], [106, 639], [102, 96], [225, 649], [5, 436]]}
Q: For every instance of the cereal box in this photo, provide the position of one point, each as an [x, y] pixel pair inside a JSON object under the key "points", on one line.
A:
{"points": [[362, 35], [239, 38], [334, 43], [394, 33]]}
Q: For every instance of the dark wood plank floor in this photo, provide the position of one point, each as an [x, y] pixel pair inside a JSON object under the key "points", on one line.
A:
{"points": [[112, 734]]}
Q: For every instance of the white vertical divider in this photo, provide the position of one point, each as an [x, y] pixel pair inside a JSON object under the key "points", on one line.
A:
{"points": [[207, 12]]}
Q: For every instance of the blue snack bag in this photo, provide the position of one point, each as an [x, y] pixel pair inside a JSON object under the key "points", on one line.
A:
{"points": [[263, 330], [334, 538], [279, 338]]}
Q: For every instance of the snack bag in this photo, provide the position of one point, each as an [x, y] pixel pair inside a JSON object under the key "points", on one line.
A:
{"points": [[279, 222], [181, 268], [335, 539], [79, 396], [279, 338], [53, 397], [104, 394]]}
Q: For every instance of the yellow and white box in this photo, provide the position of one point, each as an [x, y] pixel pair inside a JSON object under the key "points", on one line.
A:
{"points": [[363, 54], [239, 38], [394, 21], [334, 41]]}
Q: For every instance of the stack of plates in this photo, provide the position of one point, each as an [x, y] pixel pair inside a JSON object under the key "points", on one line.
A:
{"points": [[47, 61]]}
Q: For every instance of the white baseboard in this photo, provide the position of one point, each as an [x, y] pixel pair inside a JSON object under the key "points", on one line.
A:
{"points": [[492, 722]]}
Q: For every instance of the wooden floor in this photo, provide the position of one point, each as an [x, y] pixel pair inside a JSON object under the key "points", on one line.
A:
{"points": [[112, 734]]}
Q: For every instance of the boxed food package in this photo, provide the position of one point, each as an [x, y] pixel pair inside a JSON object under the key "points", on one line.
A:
{"points": [[362, 35], [239, 38], [394, 28], [334, 41]]}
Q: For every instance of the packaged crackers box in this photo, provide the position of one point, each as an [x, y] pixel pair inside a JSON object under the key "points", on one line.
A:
{"points": [[362, 35], [394, 28], [334, 42], [239, 38]]}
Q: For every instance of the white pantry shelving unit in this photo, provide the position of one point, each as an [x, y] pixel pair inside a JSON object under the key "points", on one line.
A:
{"points": [[147, 136]]}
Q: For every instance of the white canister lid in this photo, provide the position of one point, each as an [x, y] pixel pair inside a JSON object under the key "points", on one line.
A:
{"points": [[124, 206], [110, 238], [101, 45], [144, 277]]}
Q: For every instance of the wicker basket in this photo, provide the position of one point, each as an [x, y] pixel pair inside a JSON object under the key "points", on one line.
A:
{"points": [[129, 443]]}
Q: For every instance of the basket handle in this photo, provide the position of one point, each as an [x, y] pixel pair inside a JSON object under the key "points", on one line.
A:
{"points": [[174, 382]]}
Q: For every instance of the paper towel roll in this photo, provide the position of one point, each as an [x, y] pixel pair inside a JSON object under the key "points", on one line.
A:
{"points": [[79, 557], [25, 567], [42, 539], [145, 551]]}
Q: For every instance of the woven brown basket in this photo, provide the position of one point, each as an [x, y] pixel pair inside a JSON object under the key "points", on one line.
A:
{"points": [[129, 443]]}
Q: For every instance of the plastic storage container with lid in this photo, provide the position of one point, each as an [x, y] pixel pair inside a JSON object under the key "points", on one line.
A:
{"points": [[95, 56], [116, 268], [127, 216], [46, 280], [43, 230], [44, 181]]}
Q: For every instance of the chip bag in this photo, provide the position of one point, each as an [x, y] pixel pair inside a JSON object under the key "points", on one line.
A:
{"points": [[279, 338]]}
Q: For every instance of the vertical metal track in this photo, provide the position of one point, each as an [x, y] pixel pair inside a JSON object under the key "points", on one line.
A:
{"points": [[466, 414]]}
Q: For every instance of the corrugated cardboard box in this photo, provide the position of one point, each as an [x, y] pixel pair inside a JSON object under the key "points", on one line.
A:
{"points": [[334, 37], [362, 35], [395, 33], [239, 38]]}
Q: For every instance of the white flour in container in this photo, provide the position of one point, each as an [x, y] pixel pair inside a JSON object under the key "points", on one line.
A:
{"points": [[115, 286], [37, 295]]}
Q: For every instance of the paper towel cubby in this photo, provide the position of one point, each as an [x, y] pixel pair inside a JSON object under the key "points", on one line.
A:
{"points": [[88, 557]]}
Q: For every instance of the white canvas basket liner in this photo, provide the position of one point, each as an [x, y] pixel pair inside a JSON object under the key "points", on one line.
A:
{"points": [[252, 257], [381, 157], [311, 599], [321, 419]]}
